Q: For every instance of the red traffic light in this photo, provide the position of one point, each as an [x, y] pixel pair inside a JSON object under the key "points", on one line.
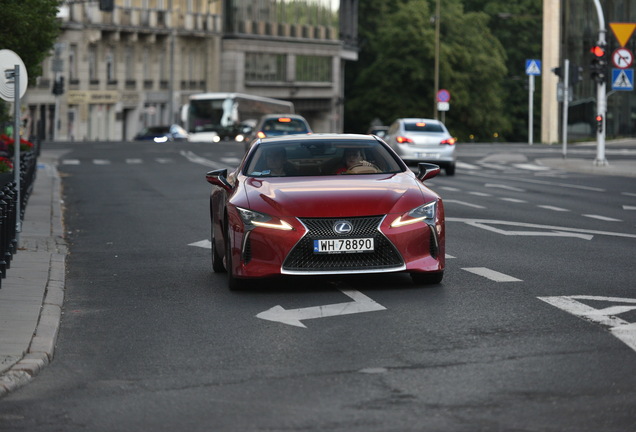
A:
{"points": [[598, 51]]}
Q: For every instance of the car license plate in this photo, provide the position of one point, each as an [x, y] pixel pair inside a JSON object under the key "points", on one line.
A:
{"points": [[343, 245], [427, 155]]}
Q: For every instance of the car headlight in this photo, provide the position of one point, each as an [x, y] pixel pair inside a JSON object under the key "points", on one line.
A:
{"points": [[253, 219], [425, 213]]}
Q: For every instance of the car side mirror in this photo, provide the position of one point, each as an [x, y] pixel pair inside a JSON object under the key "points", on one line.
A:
{"points": [[218, 178], [427, 171]]}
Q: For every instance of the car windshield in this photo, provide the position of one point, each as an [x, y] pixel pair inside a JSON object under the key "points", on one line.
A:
{"points": [[284, 126], [320, 158], [423, 127]]}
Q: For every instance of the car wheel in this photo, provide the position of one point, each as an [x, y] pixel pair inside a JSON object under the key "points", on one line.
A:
{"points": [[427, 278], [217, 261], [233, 282], [450, 169]]}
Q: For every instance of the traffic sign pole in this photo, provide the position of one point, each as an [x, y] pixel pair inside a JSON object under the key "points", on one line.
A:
{"points": [[601, 104], [530, 108]]}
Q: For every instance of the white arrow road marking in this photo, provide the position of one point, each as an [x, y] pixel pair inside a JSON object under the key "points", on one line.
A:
{"points": [[491, 274], [192, 157], [560, 231], [360, 303], [205, 244], [622, 329], [531, 233]]}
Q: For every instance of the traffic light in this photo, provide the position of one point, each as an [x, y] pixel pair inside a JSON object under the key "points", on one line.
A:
{"points": [[599, 123], [106, 5], [598, 65], [58, 86]]}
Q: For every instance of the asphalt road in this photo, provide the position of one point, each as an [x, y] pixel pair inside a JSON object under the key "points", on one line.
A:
{"points": [[527, 332]]}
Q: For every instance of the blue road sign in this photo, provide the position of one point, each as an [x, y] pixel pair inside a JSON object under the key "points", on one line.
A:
{"points": [[533, 67], [623, 79]]}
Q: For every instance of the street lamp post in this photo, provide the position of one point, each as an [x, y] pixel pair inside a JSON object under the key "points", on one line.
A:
{"points": [[436, 73]]}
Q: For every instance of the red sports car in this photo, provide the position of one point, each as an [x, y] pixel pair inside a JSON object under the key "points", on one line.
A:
{"points": [[325, 204]]}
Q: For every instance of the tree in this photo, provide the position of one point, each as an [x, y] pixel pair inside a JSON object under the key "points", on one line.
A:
{"points": [[29, 28], [398, 80]]}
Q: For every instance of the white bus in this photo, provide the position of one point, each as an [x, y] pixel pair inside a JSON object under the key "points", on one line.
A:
{"points": [[212, 117]]}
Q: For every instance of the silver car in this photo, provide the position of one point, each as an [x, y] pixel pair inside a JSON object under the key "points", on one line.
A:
{"points": [[423, 140]]}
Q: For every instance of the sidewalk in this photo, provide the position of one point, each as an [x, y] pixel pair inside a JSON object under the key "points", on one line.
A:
{"points": [[32, 294]]}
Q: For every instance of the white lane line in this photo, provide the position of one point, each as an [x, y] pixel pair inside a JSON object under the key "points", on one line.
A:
{"points": [[101, 162], [164, 160], [628, 194], [449, 256], [532, 167], [464, 165], [70, 162], [451, 189], [628, 207], [513, 200], [480, 194], [491, 274], [506, 187], [603, 218], [134, 161], [548, 207], [464, 203]]}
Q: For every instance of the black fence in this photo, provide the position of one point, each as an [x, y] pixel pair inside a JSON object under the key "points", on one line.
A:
{"points": [[9, 208]]}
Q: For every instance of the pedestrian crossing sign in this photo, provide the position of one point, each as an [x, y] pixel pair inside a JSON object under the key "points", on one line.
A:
{"points": [[623, 79], [533, 67]]}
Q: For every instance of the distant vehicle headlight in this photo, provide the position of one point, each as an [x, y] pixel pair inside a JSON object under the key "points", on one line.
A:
{"points": [[240, 138]]}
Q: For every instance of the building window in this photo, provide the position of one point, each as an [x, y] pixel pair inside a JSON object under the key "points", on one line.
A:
{"points": [[130, 63], [92, 63], [72, 64], [110, 67], [265, 67], [313, 68]]}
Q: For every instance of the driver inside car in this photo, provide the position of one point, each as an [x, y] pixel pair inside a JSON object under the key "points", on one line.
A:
{"points": [[353, 162]]}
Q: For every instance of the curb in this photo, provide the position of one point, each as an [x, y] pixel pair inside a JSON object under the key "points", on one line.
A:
{"points": [[42, 346]]}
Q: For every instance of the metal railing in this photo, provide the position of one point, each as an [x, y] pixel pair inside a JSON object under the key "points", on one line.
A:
{"points": [[9, 210]]}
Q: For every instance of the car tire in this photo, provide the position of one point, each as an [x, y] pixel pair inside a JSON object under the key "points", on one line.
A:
{"points": [[233, 282], [450, 169], [427, 278], [217, 261]]}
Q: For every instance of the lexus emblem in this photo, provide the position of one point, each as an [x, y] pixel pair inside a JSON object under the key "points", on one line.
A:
{"points": [[342, 227]]}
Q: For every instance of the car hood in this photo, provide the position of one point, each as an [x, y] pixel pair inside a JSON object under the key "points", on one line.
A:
{"points": [[336, 196]]}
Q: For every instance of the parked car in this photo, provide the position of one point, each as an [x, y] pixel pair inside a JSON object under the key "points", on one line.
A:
{"points": [[423, 140], [285, 211], [161, 134], [378, 130], [279, 124]]}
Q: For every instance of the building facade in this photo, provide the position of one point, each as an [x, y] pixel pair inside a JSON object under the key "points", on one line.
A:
{"points": [[137, 64]]}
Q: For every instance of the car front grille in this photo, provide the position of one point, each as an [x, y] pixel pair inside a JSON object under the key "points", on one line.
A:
{"points": [[303, 259]]}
